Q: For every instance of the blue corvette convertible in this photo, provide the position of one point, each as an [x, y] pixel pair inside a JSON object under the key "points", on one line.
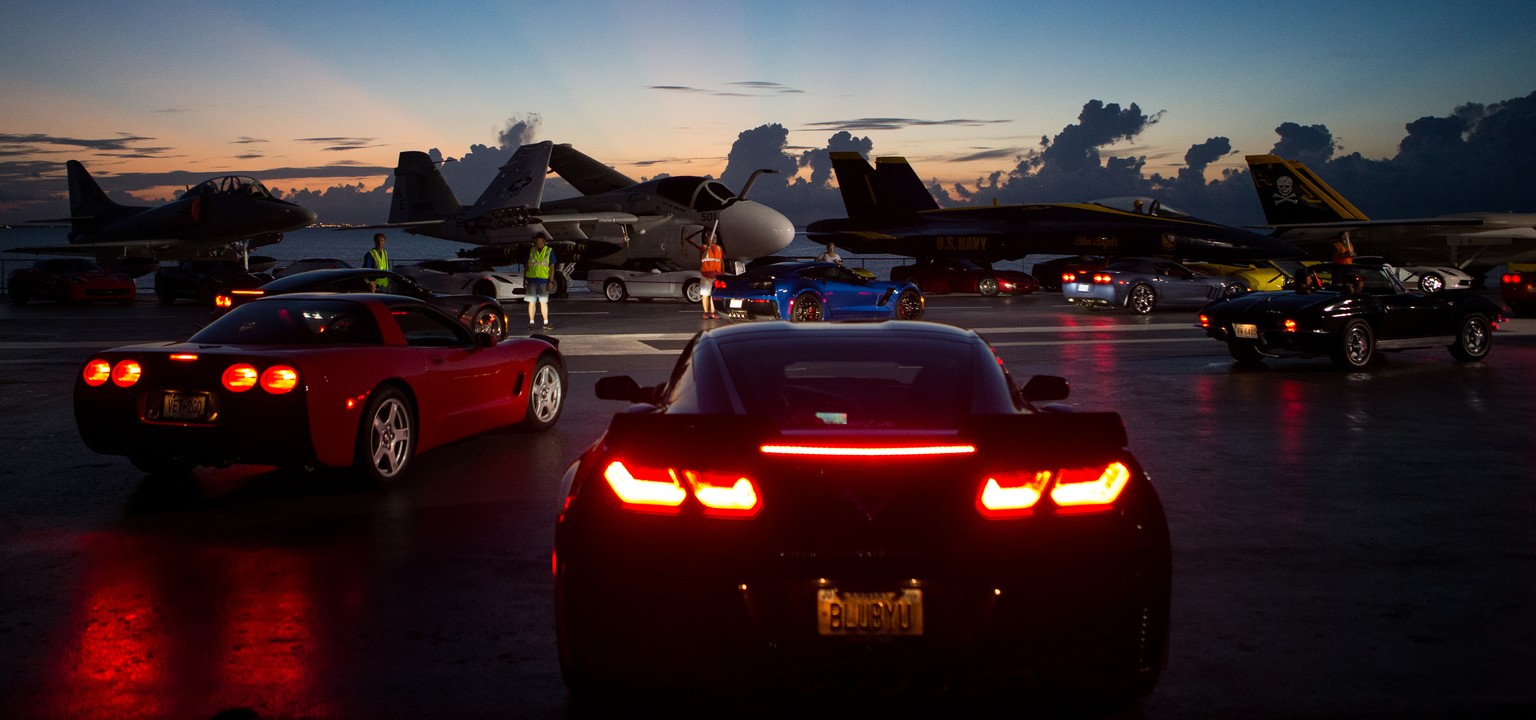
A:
{"points": [[811, 291]]}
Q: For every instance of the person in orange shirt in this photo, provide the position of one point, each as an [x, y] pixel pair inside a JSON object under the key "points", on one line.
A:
{"points": [[1343, 249], [711, 262]]}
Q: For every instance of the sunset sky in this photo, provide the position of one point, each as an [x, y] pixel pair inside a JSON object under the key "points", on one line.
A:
{"points": [[328, 93]]}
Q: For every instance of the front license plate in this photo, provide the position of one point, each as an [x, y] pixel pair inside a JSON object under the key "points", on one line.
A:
{"points": [[1247, 332], [736, 303], [848, 613], [184, 406]]}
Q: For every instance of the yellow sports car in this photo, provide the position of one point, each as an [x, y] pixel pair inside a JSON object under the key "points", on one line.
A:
{"points": [[1257, 276]]}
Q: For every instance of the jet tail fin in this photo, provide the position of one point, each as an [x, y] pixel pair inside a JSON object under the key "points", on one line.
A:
{"points": [[891, 189], [587, 175], [1292, 194], [520, 183], [421, 193]]}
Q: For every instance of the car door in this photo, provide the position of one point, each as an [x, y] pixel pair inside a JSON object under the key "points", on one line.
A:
{"points": [[465, 386], [1179, 285], [846, 295]]}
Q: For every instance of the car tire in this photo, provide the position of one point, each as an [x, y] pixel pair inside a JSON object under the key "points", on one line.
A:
{"points": [[1474, 338], [386, 437], [546, 395], [1244, 353], [1431, 282], [163, 291], [1234, 290], [1141, 300], [692, 292], [614, 290], [490, 320], [987, 286], [558, 286], [909, 305], [807, 308], [1355, 347]]}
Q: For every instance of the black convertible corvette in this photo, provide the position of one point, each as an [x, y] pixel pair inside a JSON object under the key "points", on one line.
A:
{"points": [[859, 505], [1357, 311]]}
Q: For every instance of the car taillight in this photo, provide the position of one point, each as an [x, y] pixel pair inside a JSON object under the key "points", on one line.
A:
{"points": [[666, 489], [126, 373], [97, 373], [1205, 320], [239, 378], [222, 301], [1085, 489], [884, 451], [1069, 277], [1290, 325], [1102, 279], [719, 284], [279, 379]]}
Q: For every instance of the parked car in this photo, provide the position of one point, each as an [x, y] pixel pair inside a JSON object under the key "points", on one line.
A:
{"points": [[1517, 288], [645, 279], [70, 280], [811, 291], [469, 275], [1142, 285], [959, 275], [307, 264], [1048, 272], [365, 381], [876, 504], [478, 313], [203, 280], [1360, 311], [1256, 276]]}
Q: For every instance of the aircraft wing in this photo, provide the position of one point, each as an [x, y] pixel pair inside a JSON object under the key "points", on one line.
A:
{"points": [[587, 175], [91, 249], [1369, 224], [402, 225], [520, 182]]}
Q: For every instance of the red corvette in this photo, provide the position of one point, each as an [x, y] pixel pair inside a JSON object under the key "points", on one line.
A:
{"points": [[958, 275], [70, 280], [364, 381]]}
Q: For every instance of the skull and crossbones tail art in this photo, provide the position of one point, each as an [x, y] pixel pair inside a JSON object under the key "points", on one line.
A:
{"points": [[1285, 190]]}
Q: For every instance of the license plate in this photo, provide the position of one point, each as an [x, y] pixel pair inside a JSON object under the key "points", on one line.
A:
{"points": [[848, 613], [736, 303], [184, 406], [1247, 332], [1080, 287]]}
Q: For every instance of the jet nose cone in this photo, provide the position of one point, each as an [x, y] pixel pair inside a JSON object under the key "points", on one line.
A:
{"points": [[304, 216], [752, 230]]}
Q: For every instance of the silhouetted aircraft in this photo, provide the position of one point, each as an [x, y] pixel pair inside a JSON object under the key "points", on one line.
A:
{"points": [[222, 216], [615, 218], [890, 211], [1306, 211]]}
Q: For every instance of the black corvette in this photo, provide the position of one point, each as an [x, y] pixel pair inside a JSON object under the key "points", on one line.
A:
{"points": [[479, 313], [835, 506], [1358, 311]]}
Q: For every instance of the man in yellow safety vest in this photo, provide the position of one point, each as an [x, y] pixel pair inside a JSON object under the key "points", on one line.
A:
{"points": [[541, 259]]}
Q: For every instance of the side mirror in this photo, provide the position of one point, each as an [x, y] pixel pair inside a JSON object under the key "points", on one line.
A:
{"points": [[624, 387], [1045, 388]]}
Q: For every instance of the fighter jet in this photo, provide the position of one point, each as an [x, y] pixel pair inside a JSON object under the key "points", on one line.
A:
{"points": [[615, 218], [889, 211], [219, 216], [1308, 212]]}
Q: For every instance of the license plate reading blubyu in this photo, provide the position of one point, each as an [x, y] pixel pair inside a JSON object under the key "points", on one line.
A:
{"points": [[869, 613]]}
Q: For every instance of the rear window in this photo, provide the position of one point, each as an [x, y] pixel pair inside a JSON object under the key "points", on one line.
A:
{"points": [[313, 322], [881, 385]]}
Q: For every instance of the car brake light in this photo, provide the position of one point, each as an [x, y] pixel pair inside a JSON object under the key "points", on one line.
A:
{"points": [[1069, 277], [885, 451], [1205, 320], [719, 284], [1089, 489], [656, 488], [1012, 494], [126, 373], [723, 493], [279, 379], [1102, 279], [1290, 326], [239, 378], [222, 301], [97, 373]]}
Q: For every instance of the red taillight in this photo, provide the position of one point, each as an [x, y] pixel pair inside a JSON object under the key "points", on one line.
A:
{"points": [[1090, 489], [719, 284], [97, 373], [874, 451], [1102, 278], [1290, 326], [222, 301], [184, 357], [126, 373], [1086, 489], [1068, 277], [666, 489], [239, 378], [1205, 320], [279, 379]]}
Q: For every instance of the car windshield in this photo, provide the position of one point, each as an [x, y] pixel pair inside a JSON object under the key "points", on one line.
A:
{"points": [[878, 385], [292, 322]]}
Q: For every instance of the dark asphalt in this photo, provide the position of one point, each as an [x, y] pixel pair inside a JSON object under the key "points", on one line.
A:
{"points": [[1346, 545]]}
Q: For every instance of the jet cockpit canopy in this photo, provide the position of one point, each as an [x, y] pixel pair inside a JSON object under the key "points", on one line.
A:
{"points": [[699, 193], [1143, 205], [230, 185]]}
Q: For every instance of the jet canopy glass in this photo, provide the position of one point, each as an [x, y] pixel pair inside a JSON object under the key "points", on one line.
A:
{"points": [[231, 184], [1143, 205], [695, 192]]}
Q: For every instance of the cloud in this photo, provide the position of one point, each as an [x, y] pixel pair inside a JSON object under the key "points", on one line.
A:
{"points": [[123, 141], [868, 124], [768, 88]]}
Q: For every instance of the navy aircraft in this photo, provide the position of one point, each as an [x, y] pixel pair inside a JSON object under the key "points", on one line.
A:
{"points": [[216, 217], [1306, 211], [890, 211], [614, 219]]}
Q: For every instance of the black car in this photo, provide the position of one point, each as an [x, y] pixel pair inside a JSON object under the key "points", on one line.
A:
{"points": [[479, 313], [858, 506], [203, 280], [1356, 311]]}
